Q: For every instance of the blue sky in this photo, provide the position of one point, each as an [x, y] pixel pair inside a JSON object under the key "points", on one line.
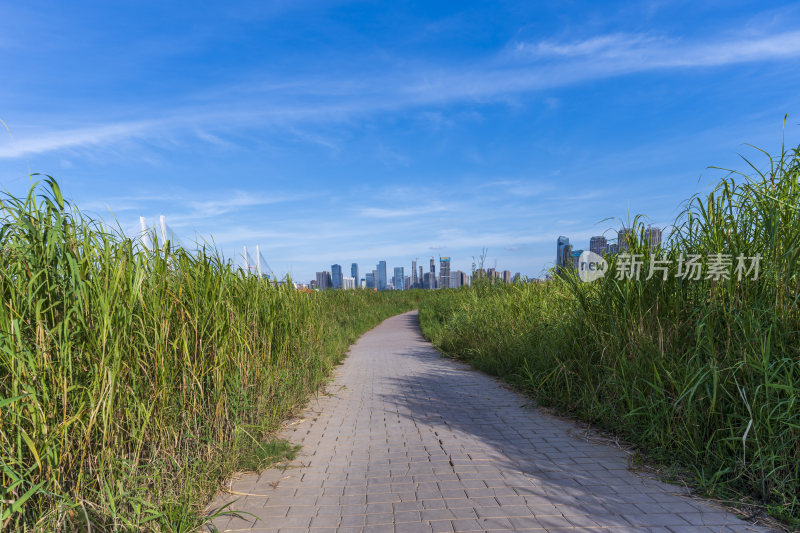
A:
{"points": [[333, 132]]}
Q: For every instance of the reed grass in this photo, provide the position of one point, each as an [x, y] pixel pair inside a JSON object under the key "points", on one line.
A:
{"points": [[701, 374], [132, 382]]}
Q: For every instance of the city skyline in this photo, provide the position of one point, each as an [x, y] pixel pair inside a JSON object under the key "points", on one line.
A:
{"points": [[446, 278], [566, 255]]}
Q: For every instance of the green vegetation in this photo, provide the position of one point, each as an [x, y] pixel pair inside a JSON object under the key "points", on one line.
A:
{"points": [[266, 454], [702, 374], [132, 383]]}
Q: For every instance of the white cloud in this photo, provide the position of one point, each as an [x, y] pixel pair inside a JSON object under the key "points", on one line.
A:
{"points": [[614, 45], [529, 67], [37, 142], [388, 212], [238, 200], [636, 52]]}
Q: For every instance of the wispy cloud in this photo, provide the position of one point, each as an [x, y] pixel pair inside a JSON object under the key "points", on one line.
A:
{"points": [[237, 201], [183, 212], [637, 51], [37, 142], [394, 212], [589, 195], [523, 68], [519, 187]]}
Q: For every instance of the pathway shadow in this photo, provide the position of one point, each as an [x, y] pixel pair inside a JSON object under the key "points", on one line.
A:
{"points": [[483, 424]]}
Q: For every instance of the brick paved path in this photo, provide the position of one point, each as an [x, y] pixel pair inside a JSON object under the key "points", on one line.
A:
{"points": [[407, 441]]}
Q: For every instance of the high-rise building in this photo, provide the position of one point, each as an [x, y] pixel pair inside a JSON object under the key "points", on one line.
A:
{"points": [[413, 274], [324, 280], [654, 237], [430, 280], [336, 276], [399, 278], [517, 277], [444, 272], [370, 280], [459, 278], [598, 245], [612, 248], [382, 279], [506, 276], [348, 283], [562, 252], [354, 272], [421, 280], [576, 258]]}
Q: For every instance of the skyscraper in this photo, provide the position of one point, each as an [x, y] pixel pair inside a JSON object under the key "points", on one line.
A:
{"points": [[459, 279], [576, 258], [370, 280], [432, 278], [421, 278], [336, 276], [598, 245], [323, 280], [399, 278], [654, 237], [413, 274], [381, 281], [506, 276], [354, 272], [562, 252], [444, 272]]}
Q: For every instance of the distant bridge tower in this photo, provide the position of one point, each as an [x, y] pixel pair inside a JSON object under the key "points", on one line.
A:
{"points": [[259, 265], [150, 236], [144, 234]]}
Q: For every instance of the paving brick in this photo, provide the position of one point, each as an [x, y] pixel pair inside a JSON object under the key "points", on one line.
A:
{"points": [[380, 518], [410, 442], [441, 526], [354, 520], [466, 524]]}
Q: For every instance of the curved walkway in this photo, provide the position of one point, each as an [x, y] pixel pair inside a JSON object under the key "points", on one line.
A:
{"points": [[408, 441]]}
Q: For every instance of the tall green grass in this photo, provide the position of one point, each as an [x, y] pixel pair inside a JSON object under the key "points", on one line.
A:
{"points": [[130, 380], [704, 374]]}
